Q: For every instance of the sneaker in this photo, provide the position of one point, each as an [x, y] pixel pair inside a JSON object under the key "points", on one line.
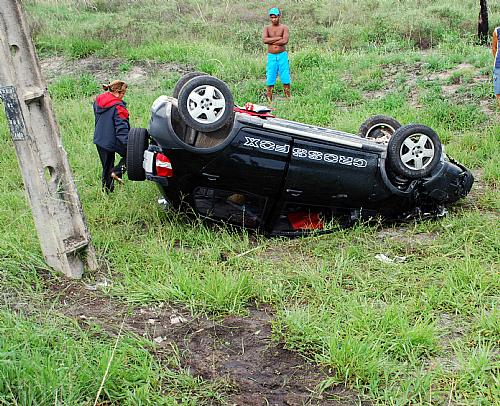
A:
{"points": [[116, 177]]}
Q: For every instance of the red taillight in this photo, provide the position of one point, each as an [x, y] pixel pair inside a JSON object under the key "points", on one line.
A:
{"points": [[163, 166]]}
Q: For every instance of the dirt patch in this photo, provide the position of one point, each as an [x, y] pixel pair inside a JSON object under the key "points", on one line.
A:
{"points": [[478, 191], [453, 330], [488, 107], [456, 84], [446, 75], [401, 234], [106, 69], [289, 252], [449, 90], [391, 73], [238, 350]]}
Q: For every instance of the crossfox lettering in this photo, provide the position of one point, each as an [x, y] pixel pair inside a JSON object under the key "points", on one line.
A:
{"points": [[299, 152], [304, 153], [316, 155], [345, 160], [269, 145], [266, 145], [331, 158], [252, 142]]}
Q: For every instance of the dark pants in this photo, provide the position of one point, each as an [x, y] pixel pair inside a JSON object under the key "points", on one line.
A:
{"points": [[108, 167]]}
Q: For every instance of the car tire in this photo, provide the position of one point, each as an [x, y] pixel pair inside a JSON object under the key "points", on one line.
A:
{"points": [[414, 151], [206, 104], [379, 128], [138, 140], [183, 80]]}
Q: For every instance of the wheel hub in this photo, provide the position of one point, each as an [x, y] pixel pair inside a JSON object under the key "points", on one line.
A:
{"points": [[380, 133], [417, 152], [206, 104]]}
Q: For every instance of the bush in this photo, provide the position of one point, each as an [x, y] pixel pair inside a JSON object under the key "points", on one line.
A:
{"points": [[72, 87], [308, 59], [82, 47]]}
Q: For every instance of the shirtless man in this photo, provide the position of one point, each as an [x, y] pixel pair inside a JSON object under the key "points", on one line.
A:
{"points": [[276, 38], [496, 65]]}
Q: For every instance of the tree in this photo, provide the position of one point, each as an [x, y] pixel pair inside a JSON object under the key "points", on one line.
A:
{"points": [[482, 22]]}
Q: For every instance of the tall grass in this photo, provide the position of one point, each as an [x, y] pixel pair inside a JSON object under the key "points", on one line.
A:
{"points": [[340, 25], [424, 331]]}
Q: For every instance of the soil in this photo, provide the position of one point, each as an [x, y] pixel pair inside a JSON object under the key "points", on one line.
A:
{"points": [[237, 350], [401, 234], [453, 87], [106, 69], [453, 329]]}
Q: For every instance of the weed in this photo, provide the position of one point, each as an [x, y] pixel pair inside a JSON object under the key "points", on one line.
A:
{"points": [[70, 87]]}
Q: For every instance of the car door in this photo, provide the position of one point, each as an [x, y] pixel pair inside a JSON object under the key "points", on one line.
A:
{"points": [[255, 162], [327, 174], [241, 184]]}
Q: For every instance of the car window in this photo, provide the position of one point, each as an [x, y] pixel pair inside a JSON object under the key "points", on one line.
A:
{"points": [[233, 207]]}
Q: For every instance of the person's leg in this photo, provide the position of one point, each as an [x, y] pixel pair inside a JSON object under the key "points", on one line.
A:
{"points": [[284, 70], [107, 162], [286, 89], [496, 84], [271, 74], [119, 169], [269, 93]]}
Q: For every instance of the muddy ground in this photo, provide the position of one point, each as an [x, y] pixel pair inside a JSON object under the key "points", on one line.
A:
{"points": [[107, 69], [237, 350]]}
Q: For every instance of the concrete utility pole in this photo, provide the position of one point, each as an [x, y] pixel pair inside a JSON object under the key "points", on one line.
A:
{"points": [[44, 165]]}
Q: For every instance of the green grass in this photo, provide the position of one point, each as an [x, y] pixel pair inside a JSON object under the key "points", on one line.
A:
{"points": [[56, 362], [425, 331]]}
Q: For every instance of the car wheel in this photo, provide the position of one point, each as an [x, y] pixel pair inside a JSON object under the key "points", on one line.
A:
{"points": [[206, 104], [183, 80], [414, 151], [136, 145], [379, 128]]}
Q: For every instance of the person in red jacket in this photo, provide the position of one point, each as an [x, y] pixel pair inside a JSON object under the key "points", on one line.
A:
{"points": [[111, 132]]}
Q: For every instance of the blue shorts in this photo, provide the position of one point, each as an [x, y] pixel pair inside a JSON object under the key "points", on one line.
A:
{"points": [[496, 80], [277, 65]]}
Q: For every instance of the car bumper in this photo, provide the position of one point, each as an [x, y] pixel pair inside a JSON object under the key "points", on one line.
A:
{"points": [[452, 182]]}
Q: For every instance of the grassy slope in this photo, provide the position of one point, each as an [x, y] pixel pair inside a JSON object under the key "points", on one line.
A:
{"points": [[423, 331]]}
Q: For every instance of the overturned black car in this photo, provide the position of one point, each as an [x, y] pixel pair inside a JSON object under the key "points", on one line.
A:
{"points": [[245, 167]]}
